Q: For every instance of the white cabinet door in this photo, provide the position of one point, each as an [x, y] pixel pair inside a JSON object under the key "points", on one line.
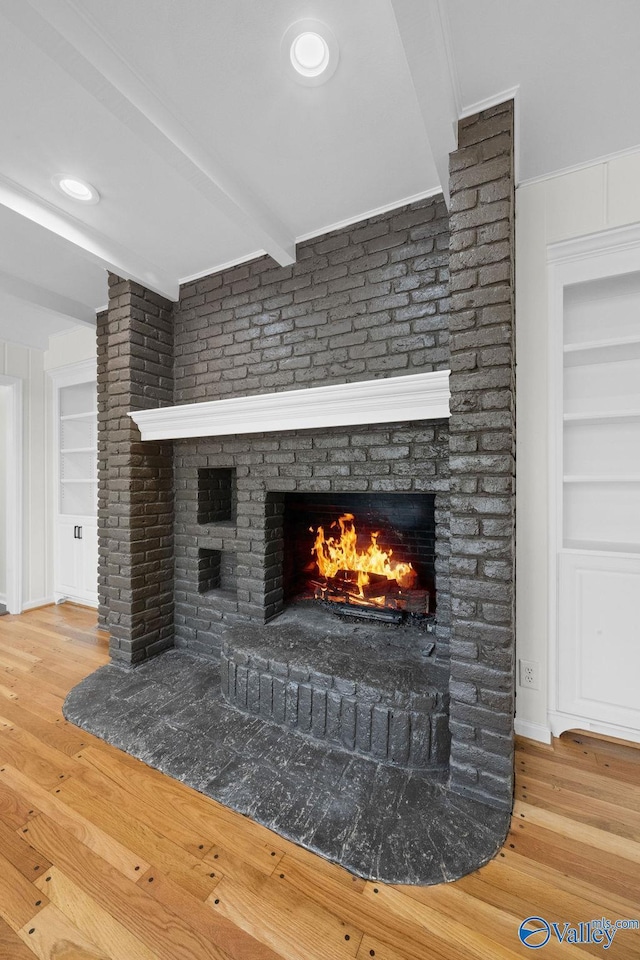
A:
{"points": [[89, 564], [76, 569], [599, 641], [66, 561]]}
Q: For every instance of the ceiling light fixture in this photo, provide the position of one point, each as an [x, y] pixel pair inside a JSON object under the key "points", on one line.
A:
{"points": [[77, 189], [310, 52]]}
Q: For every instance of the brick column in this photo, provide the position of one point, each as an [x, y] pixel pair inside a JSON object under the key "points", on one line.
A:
{"points": [[482, 461], [135, 479]]}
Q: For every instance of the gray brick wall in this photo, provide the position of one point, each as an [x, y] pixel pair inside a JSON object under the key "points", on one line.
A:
{"points": [[482, 461], [135, 509], [366, 301]]}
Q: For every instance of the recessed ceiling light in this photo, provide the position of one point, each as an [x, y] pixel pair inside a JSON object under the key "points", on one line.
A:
{"points": [[310, 52], [77, 189]]}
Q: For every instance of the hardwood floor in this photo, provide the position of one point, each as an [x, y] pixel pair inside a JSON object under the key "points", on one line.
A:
{"points": [[103, 857]]}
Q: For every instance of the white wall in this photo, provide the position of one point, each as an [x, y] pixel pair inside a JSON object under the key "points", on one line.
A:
{"points": [[590, 200], [73, 346], [26, 363], [3, 493], [29, 364]]}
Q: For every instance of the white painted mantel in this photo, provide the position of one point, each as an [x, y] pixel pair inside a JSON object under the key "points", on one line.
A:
{"points": [[417, 396]]}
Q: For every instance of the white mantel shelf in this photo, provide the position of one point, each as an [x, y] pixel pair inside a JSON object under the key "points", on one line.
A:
{"points": [[418, 396]]}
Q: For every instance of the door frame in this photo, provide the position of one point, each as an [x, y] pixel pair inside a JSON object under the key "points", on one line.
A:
{"points": [[14, 522], [83, 371]]}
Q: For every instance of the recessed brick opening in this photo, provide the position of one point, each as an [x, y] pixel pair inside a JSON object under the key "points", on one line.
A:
{"points": [[217, 497], [216, 571]]}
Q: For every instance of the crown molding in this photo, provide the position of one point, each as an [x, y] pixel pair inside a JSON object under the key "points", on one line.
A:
{"points": [[512, 93], [220, 268], [361, 217], [420, 396]]}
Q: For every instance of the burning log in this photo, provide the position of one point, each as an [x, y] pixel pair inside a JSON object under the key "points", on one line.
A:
{"points": [[415, 601], [379, 585], [363, 578]]}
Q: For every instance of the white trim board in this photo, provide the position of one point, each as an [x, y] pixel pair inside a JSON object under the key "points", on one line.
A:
{"points": [[420, 396], [532, 731]]}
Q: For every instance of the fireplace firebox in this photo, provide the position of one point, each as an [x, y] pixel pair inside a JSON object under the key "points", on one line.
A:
{"points": [[363, 556]]}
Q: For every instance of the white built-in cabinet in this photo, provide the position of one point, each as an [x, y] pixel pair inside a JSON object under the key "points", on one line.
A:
{"points": [[595, 484], [75, 515]]}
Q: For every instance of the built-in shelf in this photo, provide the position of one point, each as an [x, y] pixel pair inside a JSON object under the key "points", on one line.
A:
{"points": [[602, 351], [585, 478], [600, 546], [615, 416], [75, 441]]}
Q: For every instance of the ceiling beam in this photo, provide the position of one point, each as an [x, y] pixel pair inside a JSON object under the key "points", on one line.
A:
{"points": [[91, 243], [424, 33], [46, 299], [63, 31]]}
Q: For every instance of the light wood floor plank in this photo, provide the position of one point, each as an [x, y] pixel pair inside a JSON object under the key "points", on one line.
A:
{"points": [[210, 924], [17, 896], [291, 923], [51, 936], [90, 918], [11, 947], [17, 850], [73, 823], [163, 931]]}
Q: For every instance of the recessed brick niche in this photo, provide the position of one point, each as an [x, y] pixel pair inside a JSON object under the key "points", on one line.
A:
{"points": [[191, 532]]}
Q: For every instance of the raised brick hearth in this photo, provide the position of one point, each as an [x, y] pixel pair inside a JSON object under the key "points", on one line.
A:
{"points": [[191, 532]]}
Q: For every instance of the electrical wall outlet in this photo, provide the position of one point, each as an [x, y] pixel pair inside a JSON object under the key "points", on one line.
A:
{"points": [[529, 674]]}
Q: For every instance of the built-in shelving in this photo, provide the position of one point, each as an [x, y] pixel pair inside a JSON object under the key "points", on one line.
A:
{"points": [[615, 416], [76, 430], [601, 416], [568, 478], [594, 563], [602, 351], [601, 546]]}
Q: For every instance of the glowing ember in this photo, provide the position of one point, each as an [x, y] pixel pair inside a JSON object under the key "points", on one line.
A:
{"points": [[337, 555]]}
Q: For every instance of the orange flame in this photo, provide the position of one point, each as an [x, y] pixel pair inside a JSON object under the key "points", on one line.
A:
{"points": [[342, 553]]}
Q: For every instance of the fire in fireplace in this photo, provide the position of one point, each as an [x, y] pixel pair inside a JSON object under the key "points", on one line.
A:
{"points": [[370, 557]]}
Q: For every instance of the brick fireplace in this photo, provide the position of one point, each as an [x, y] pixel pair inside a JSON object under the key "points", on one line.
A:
{"points": [[192, 535]]}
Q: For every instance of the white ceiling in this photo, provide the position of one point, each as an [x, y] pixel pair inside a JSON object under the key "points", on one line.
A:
{"points": [[206, 152]]}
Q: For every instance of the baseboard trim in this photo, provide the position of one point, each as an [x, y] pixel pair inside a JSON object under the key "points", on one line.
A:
{"points": [[34, 604], [532, 731]]}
